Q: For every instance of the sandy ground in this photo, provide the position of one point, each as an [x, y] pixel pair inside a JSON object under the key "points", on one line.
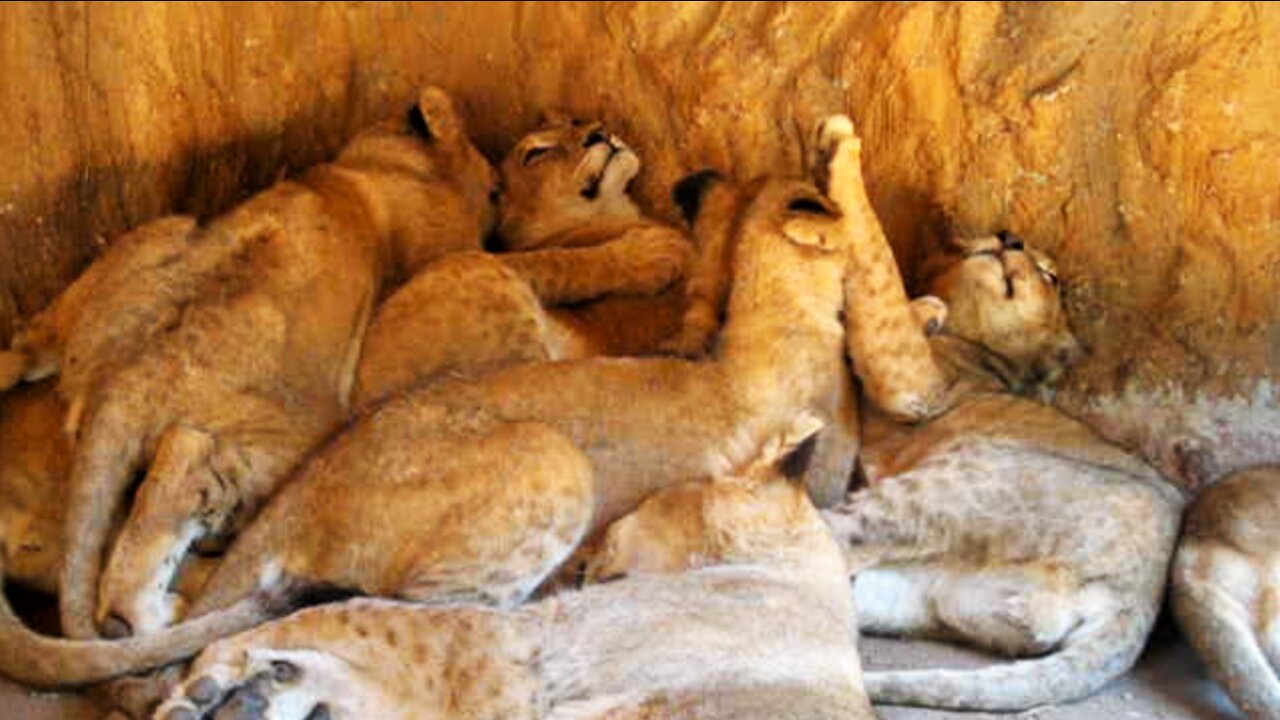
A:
{"points": [[1168, 684]]}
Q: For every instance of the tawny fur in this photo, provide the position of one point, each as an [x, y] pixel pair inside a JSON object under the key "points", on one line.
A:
{"points": [[1225, 587], [460, 315], [642, 423], [35, 458], [243, 336], [1002, 522], [759, 625], [566, 186]]}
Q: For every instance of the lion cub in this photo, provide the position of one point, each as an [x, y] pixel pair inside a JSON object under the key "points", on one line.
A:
{"points": [[999, 521], [588, 274], [638, 424], [1226, 587], [1003, 522], [758, 623], [215, 356]]}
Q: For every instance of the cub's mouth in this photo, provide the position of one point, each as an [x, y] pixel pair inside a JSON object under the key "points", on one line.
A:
{"points": [[591, 188]]}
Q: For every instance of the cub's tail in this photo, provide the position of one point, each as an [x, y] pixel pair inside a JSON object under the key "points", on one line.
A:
{"points": [[1098, 651], [49, 662], [1219, 629]]}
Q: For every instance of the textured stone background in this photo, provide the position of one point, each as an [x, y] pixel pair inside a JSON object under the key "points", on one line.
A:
{"points": [[1138, 141]]}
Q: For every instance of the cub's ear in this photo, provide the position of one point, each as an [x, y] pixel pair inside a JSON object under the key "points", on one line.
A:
{"points": [[688, 192], [809, 221], [418, 123], [792, 452], [930, 314], [796, 462], [806, 232], [435, 117]]}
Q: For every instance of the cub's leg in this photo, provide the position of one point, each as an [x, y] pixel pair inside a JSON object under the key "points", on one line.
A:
{"points": [[892, 355], [644, 261], [1225, 603], [1016, 611], [1225, 587], [200, 484], [368, 659], [459, 314]]}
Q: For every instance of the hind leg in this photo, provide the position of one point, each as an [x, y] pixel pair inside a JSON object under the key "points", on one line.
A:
{"points": [[895, 600], [177, 502], [1225, 601], [1019, 611]]}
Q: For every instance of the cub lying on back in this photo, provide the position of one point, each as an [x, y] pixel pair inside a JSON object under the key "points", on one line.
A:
{"points": [[475, 310], [1001, 521], [758, 624], [1226, 587]]}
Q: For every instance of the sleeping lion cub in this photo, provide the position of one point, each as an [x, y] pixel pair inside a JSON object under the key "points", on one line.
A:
{"points": [[463, 314], [1226, 587], [1003, 522], [758, 624], [1000, 521], [587, 273]]}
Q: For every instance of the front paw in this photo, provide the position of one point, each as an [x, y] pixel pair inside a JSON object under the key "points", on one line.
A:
{"points": [[654, 264], [836, 145]]}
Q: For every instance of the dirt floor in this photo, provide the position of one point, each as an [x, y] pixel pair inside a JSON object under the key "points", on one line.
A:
{"points": [[1168, 684]]}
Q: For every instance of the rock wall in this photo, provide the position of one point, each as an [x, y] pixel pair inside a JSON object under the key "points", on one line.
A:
{"points": [[1137, 141]]}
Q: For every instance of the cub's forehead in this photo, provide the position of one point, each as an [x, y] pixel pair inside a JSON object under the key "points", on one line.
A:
{"points": [[545, 136]]}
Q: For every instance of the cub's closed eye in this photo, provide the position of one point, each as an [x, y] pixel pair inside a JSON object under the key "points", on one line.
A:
{"points": [[807, 205], [534, 154], [1051, 277]]}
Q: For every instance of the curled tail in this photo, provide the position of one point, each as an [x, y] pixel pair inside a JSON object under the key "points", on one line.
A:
{"points": [[104, 464], [1221, 632], [49, 662], [1093, 655]]}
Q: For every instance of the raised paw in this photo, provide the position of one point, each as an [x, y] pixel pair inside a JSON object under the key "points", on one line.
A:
{"points": [[835, 144]]}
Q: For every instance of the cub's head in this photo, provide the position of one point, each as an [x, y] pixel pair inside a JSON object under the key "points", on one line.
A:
{"points": [[567, 175], [760, 514], [433, 188], [1006, 297]]}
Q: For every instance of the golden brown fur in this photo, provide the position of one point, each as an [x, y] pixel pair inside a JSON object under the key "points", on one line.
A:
{"points": [[758, 625], [459, 315], [241, 338], [999, 521], [642, 423], [598, 255], [566, 185], [1003, 522], [35, 457], [1225, 587]]}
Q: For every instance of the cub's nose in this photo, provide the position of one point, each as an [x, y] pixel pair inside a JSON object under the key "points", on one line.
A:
{"points": [[596, 136]]}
